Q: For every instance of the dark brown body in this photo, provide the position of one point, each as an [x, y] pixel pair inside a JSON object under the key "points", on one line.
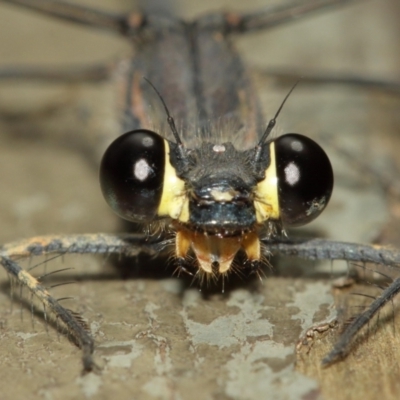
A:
{"points": [[199, 74]]}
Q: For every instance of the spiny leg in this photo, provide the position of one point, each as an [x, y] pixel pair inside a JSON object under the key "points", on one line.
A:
{"points": [[129, 24], [133, 244], [129, 245], [91, 73], [75, 13], [117, 23], [272, 16], [288, 76], [74, 327], [342, 346], [321, 249]]}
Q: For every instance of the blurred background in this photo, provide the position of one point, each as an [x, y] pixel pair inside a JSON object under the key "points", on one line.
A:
{"points": [[49, 185]]}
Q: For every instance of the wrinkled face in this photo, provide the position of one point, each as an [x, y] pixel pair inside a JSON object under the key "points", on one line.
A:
{"points": [[216, 197]]}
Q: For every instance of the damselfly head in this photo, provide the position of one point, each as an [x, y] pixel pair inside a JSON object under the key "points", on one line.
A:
{"points": [[217, 198]]}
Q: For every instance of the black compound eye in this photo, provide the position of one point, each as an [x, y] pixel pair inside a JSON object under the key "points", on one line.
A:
{"points": [[132, 174], [305, 179]]}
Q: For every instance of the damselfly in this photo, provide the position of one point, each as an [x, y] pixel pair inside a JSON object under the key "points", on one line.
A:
{"points": [[97, 244]]}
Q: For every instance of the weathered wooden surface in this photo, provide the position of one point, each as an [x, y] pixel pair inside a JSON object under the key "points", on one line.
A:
{"points": [[156, 337]]}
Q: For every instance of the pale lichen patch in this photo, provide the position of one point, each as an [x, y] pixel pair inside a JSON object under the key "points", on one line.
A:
{"points": [[251, 376], [231, 329], [309, 303], [124, 354]]}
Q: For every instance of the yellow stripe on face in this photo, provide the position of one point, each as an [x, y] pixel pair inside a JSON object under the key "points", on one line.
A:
{"points": [[173, 199], [266, 200]]}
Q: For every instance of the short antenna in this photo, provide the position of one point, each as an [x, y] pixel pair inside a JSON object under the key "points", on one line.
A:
{"points": [[271, 124], [170, 120]]}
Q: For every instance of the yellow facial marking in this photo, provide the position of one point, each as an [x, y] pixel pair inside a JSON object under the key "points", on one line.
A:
{"points": [[173, 198], [266, 200]]}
